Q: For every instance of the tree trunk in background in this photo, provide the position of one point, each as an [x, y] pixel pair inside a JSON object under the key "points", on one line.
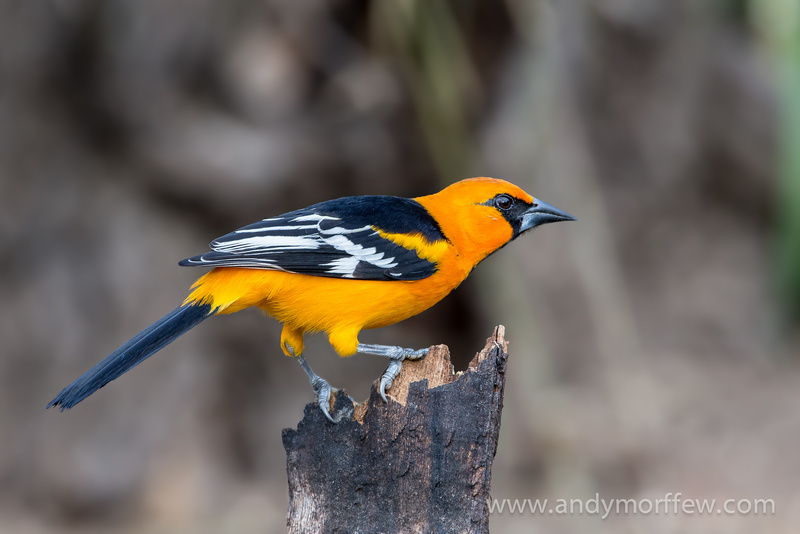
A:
{"points": [[422, 463]]}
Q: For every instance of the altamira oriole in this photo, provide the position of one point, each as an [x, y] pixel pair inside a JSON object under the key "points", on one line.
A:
{"points": [[338, 267]]}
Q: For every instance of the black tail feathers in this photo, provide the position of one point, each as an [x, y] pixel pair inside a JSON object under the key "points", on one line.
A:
{"points": [[147, 342]]}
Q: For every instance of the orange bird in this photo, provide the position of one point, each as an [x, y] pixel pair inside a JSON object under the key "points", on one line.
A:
{"points": [[339, 267]]}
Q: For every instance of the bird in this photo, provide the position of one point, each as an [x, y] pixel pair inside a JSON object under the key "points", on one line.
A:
{"points": [[339, 267]]}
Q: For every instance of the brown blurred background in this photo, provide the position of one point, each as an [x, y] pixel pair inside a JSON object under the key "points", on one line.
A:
{"points": [[654, 343]]}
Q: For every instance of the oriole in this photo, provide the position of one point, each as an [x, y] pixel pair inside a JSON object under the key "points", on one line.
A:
{"points": [[339, 267]]}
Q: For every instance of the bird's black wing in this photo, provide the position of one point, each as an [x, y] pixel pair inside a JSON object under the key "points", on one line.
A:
{"points": [[339, 238]]}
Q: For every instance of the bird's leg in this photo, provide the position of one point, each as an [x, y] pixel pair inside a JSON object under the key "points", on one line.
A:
{"points": [[397, 355], [322, 390]]}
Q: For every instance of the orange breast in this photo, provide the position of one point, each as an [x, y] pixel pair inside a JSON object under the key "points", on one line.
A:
{"points": [[313, 303]]}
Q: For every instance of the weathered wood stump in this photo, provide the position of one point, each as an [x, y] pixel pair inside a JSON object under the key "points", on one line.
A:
{"points": [[419, 463]]}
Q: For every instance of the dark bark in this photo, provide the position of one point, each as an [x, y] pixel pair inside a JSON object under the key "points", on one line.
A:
{"points": [[421, 463]]}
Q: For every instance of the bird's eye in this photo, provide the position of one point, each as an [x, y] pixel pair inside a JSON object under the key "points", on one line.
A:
{"points": [[504, 202]]}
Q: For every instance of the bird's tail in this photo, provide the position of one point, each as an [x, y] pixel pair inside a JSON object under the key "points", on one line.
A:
{"points": [[147, 342]]}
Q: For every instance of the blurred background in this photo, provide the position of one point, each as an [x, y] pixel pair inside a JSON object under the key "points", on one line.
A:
{"points": [[654, 343]]}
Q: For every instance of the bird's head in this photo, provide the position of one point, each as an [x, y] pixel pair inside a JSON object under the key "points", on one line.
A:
{"points": [[487, 213]]}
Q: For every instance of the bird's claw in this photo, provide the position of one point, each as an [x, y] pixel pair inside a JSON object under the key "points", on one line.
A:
{"points": [[388, 376], [415, 354], [396, 356], [395, 365], [322, 391]]}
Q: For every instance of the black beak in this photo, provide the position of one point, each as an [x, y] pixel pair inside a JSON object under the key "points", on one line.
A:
{"points": [[542, 213]]}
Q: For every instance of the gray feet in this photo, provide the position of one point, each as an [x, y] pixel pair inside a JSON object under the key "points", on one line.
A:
{"points": [[388, 376], [322, 390], [397, 355]]}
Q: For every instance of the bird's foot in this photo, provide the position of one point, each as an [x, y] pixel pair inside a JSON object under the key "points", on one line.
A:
{"points": [[322, 392], [388, 376], [396, 355], [322, 389]]}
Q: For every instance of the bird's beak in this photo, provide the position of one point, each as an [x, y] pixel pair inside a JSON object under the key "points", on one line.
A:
{"points": [[542, 213]]}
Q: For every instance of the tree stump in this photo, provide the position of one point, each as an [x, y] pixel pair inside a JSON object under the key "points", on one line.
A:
{"points": [[419, 463]]}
